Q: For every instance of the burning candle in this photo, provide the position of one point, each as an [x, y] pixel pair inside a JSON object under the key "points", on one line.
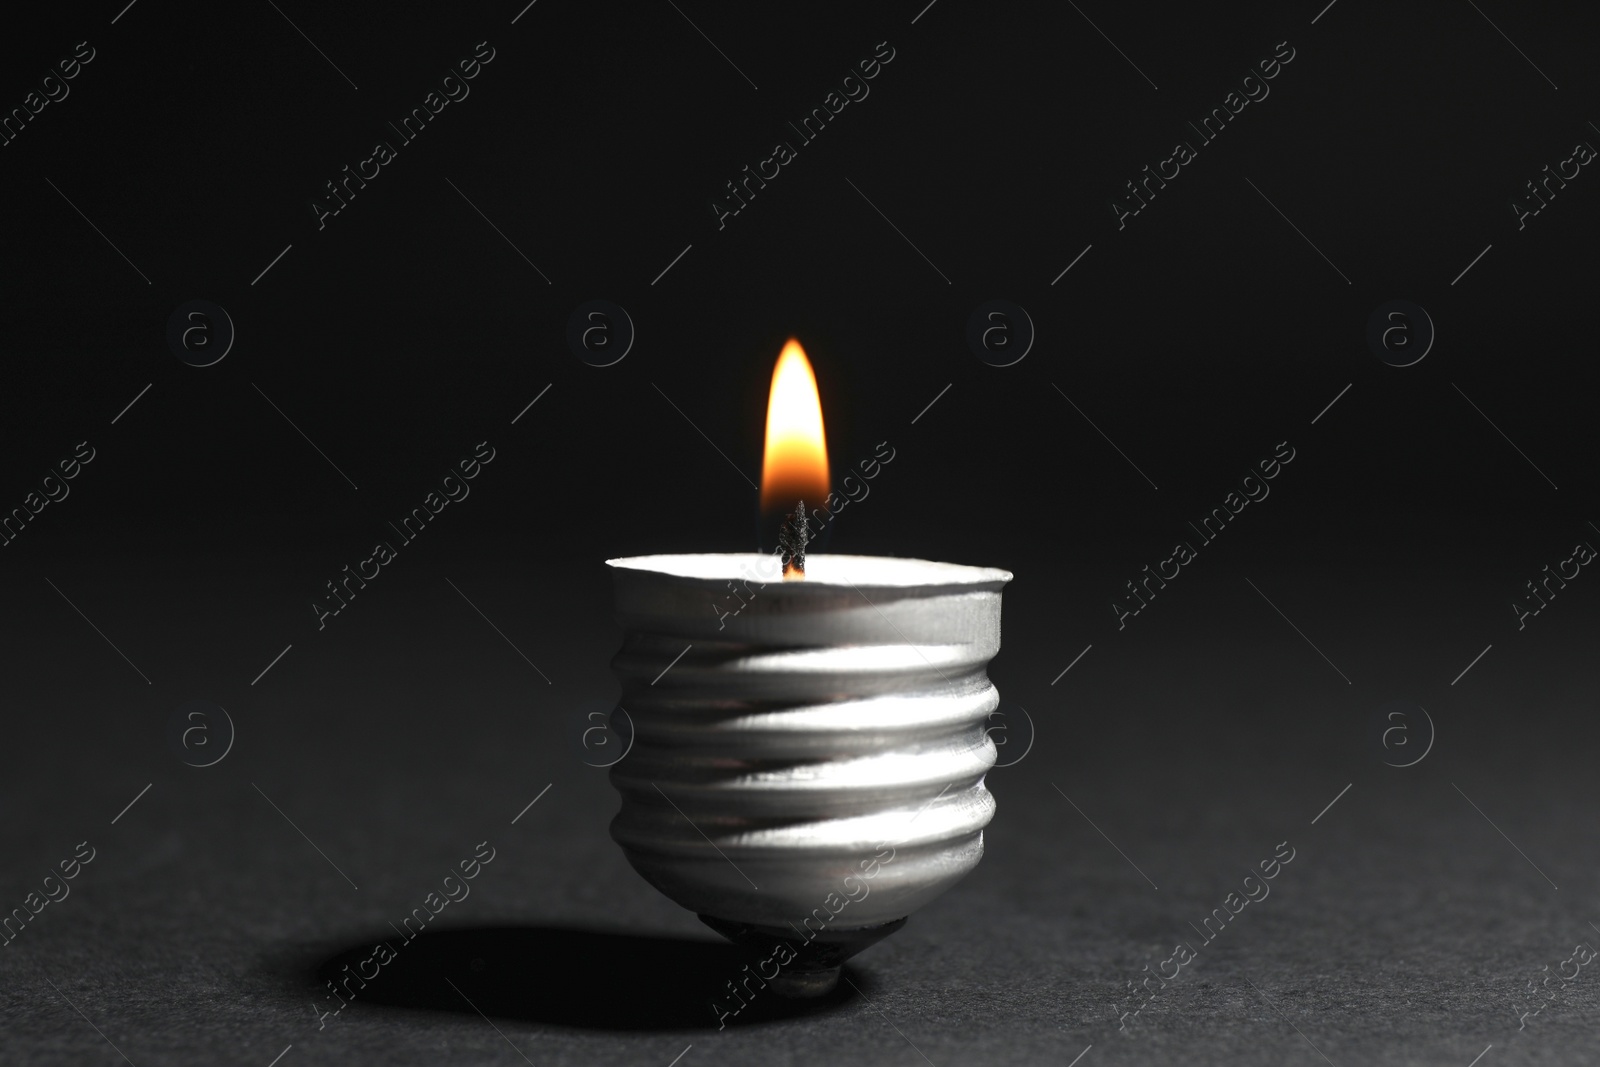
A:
{"points": [[809, 731]]}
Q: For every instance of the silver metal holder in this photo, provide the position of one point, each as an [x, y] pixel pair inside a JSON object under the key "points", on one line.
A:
{"points": [[808, 756]]}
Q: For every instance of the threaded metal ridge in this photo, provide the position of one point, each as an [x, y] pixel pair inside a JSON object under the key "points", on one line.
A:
{"points": [[805, 745]]}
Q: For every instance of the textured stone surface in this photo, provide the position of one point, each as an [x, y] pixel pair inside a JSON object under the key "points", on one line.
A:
{"points": [[1404, 931]]}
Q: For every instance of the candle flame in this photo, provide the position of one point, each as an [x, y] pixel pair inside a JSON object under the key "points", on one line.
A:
{"points": [[795, 464]]}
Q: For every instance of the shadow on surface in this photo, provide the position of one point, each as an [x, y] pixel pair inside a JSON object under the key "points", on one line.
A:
{"points": [[563, 976]]}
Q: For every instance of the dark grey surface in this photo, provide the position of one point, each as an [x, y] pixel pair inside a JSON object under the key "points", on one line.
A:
{"points": [[1404, 931], [1177, 352]]}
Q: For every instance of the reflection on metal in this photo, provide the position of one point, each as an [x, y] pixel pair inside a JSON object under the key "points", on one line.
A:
{"points": [[827, 722]]}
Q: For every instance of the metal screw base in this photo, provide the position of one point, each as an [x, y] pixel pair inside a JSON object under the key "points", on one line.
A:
{"points": [[814, 972]]}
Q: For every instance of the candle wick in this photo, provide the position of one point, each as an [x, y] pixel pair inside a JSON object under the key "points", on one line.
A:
{"points": [[792, 539]]}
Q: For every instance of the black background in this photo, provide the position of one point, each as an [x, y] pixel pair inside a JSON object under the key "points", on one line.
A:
{"points": [[1196, 338]]}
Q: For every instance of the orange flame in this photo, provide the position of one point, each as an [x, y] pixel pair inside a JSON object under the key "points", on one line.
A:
{"points": [[795, 466]]}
